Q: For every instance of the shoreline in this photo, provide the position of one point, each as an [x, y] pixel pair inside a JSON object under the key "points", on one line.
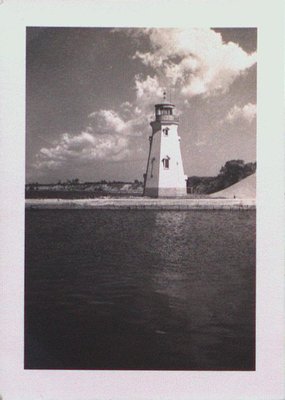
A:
{"points": [[143, 203]]}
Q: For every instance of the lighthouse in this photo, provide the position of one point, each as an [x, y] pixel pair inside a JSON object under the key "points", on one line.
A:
{"points": [[164, 175]]}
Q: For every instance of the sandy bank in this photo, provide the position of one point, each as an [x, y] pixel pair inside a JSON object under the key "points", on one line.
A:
{"points": [[244, 189], [143, 203]]}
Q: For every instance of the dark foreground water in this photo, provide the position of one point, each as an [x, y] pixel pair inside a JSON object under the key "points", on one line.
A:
{"points": [[140, 290]]}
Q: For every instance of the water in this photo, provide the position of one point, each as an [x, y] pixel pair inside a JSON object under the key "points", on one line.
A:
{"points": [[145, 290]]}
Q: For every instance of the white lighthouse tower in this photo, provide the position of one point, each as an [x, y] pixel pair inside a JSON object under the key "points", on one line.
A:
{"points": [[164, 175]]}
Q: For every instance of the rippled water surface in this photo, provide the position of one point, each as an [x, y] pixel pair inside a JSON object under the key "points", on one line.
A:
{"points": [[140, 290]]}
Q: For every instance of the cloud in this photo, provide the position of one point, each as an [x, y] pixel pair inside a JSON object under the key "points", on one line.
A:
{"points": [[83, 147], [148, 91], [107, 137], [107, 121], [196, 61], [126, 106], [247, 113]]}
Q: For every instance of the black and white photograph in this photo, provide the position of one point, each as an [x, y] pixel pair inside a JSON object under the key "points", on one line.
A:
{"points": [[140, 198]]}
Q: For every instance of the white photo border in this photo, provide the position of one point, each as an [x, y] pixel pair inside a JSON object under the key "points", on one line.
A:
{"points": [[267, 380]]}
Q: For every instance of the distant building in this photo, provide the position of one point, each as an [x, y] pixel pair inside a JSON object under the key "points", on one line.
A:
{"points": [[164, 175]]}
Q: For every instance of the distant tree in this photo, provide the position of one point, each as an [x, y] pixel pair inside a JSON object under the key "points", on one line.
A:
{"points": [[74, 181], [232, 172], [250, 168]]}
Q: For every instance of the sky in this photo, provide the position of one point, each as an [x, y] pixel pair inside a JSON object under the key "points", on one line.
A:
{"points": [[90, 96]]}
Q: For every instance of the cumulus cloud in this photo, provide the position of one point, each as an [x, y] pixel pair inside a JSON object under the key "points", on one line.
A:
{"points": [[107, 121], [147, 87], [81, 148], [107, 137], [148, 91], [247, 113], [196, 61]]}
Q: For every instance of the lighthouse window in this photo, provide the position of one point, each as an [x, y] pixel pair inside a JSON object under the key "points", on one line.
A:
{"points": [[167, 111], [165, 131], [165, 162]]}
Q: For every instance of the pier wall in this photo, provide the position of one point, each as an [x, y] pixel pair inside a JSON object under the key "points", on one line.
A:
{"points": [[144, 204]]}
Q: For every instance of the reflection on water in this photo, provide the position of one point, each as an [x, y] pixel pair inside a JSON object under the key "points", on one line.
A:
{"points": [[169, 235], [140, 289]]}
